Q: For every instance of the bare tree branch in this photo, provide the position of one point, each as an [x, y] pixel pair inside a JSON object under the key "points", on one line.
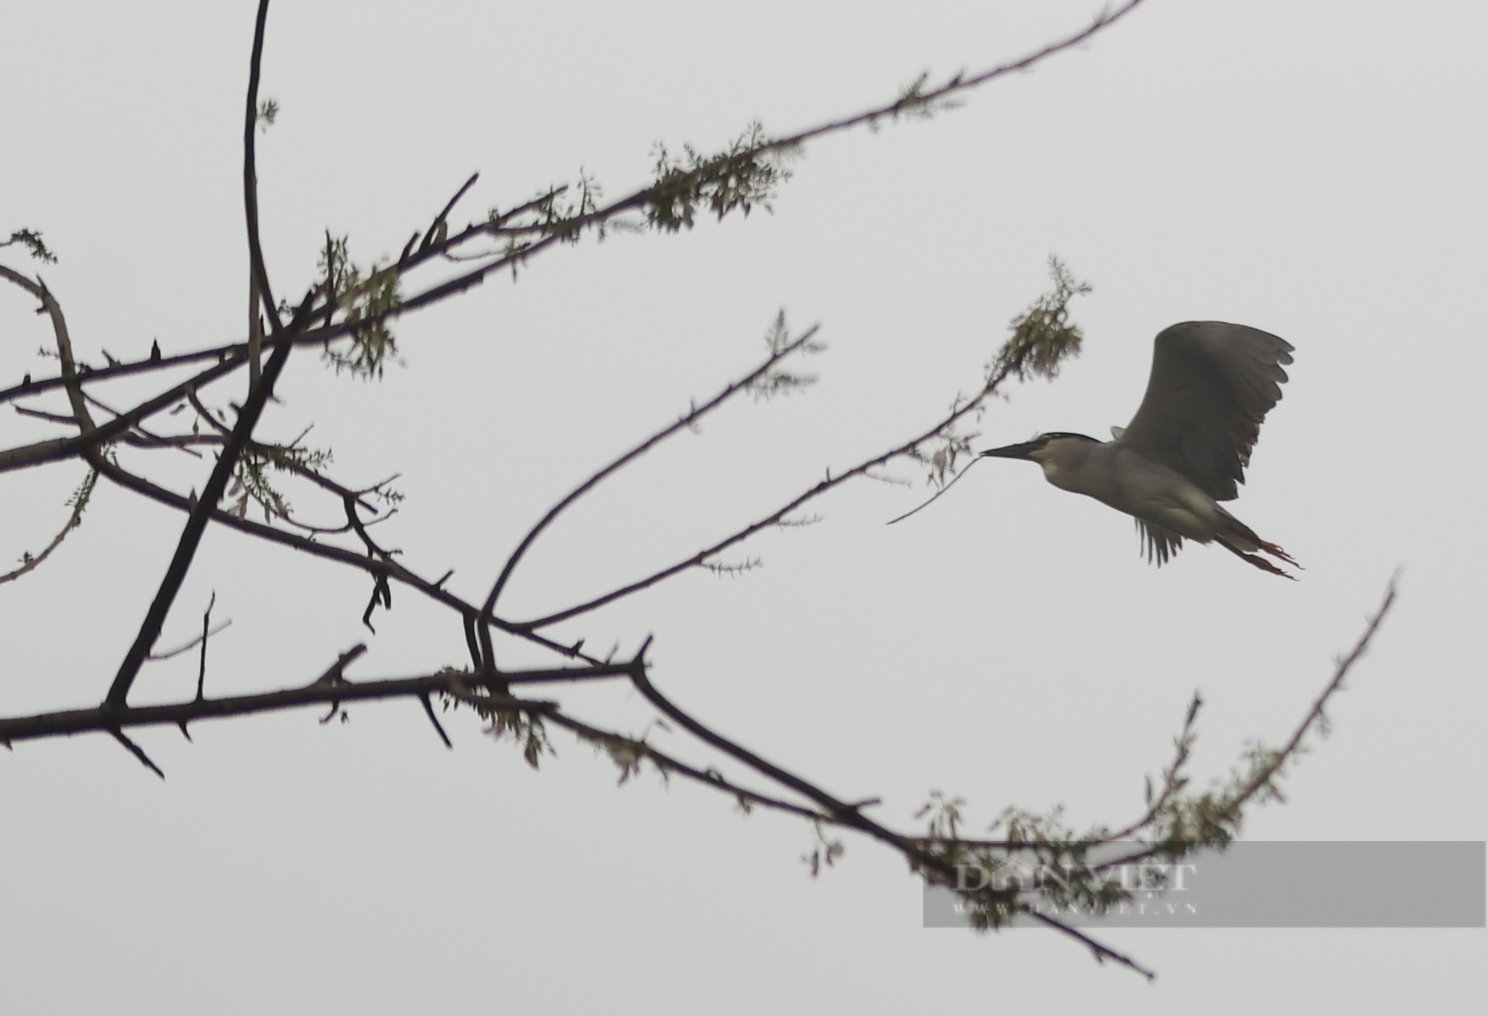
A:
{"points": [[830, 482], [256, 265], [684, 422], [320, 692]]}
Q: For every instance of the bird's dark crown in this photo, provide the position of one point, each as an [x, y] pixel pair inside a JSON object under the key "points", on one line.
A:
{"points": [[1055, 434]]}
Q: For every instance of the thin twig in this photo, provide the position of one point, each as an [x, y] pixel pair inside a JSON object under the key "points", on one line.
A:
{"points": [[829, 483], [74, 518], [433, 231], [1101, 951], [196, 640], [931, 500], [1288, 752], [260, 273], [686, 421], [201, 669]]}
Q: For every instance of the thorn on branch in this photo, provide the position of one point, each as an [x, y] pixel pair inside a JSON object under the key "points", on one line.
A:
{"points": [[438, 729], [636, 669], [334, 673], [407, 249], [137, 752]]}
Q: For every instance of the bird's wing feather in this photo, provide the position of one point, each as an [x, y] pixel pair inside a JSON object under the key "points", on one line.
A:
{"points": [[1212, 384], [1157, 543]]}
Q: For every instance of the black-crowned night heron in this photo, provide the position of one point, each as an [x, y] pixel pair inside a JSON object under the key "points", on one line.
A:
{"points": [[1187, 448]]}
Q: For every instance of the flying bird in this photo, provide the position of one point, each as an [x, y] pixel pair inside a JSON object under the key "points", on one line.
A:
{"points": [[1187, 448]]}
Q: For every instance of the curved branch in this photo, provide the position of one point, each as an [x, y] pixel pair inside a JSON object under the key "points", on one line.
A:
{"points": [[250, 177], [53, 309], [922, 857], [391, 569], [684, 422], [32, 561], [863, 468]]}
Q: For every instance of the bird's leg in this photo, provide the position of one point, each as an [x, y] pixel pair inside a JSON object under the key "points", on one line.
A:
{"points": [[1264, 565], [1277, 552]]}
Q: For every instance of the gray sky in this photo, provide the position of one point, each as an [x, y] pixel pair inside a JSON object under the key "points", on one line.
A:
{"points": [[1315, 170]]}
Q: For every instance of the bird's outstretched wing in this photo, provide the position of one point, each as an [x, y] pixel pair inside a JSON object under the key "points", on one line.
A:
{"points": [[1212, 384]]}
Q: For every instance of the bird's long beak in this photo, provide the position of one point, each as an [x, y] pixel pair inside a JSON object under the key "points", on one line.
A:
{"points": [[1012, 451]]}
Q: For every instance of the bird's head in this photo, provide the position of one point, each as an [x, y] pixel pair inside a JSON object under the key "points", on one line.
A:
{"points": [[1053, 447]]}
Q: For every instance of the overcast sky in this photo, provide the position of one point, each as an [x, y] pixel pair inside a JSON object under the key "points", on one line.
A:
{"points": [[1315, 170]]}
